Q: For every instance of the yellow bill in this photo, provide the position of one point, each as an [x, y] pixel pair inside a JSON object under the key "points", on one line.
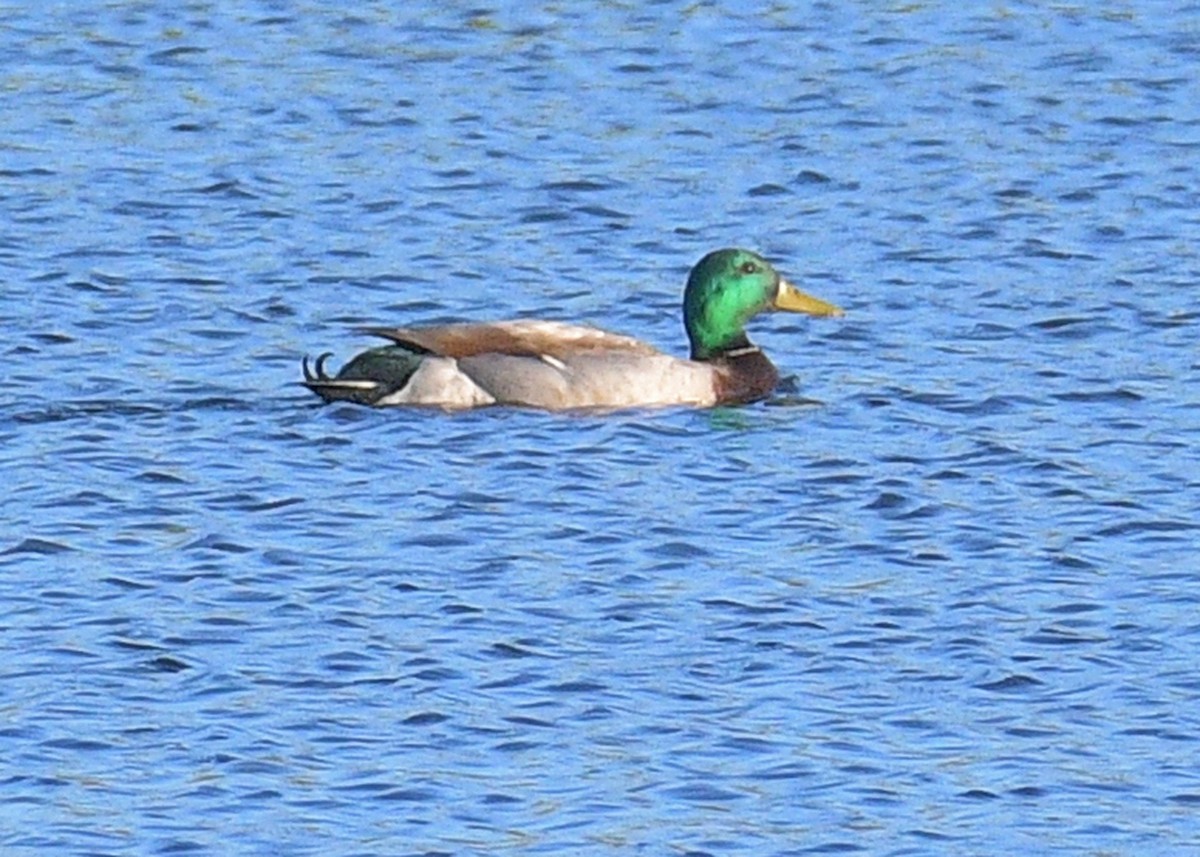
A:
{"points": [[791, 299]]}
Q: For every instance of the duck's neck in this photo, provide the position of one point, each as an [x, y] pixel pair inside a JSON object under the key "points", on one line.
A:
{"points": [[729, 346], [744, 374]]}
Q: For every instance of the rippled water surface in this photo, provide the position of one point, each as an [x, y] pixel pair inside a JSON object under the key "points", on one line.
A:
{"points": [[939, 597]]}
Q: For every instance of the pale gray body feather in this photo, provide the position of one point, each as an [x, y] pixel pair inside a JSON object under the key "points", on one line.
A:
{"points": [[595, 378], [591, 379]]}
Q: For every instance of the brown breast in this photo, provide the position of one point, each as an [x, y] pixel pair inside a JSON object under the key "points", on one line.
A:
{"points": [[745, 377]]}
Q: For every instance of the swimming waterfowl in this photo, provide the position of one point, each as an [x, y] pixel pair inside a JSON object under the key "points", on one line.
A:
{"points": [[558, 366]]}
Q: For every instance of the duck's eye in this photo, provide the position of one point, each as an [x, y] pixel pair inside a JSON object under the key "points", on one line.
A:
{"points": [[749, 268]]}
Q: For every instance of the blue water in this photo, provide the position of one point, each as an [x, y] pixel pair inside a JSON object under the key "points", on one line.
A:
{"points": [[939, 598]]}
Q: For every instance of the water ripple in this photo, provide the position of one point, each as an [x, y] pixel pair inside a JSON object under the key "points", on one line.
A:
{"points": [[941, 585]]}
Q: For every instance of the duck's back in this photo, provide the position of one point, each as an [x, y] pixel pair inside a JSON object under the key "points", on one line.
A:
{"points": [[542, 364], [520, 337]]}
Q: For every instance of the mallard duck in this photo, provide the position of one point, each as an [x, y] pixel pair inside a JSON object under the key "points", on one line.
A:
{"points": [[557, 366]]}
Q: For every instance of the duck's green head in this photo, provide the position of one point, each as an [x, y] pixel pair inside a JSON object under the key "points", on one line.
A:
{"points": [[729, 287]]}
